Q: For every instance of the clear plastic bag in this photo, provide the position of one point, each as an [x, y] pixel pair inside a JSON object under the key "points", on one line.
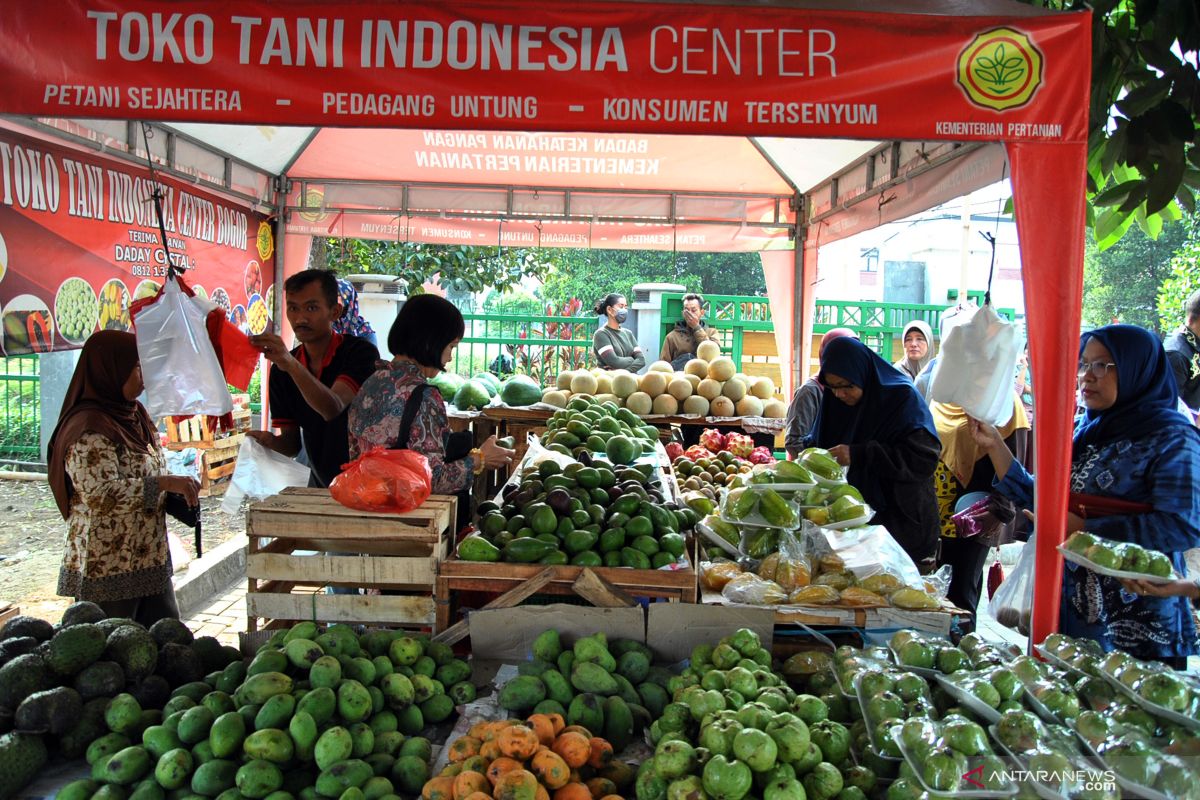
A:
{"points": [[976, 365], [261, 473], [384, 480], [1012, 603], [180, 367], [752, 590], [865, 551]]}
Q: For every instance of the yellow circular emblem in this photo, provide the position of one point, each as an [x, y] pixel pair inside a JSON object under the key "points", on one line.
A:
{"points": [[1000, 69], [314, 200], [265, 241]]}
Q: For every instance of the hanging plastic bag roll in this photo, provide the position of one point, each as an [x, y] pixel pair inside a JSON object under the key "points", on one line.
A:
{"points": [[976, 366], [179, 365], [261, 473]]}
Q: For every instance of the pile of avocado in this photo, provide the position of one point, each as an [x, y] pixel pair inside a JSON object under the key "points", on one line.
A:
{"points": [[330, 714], [1123, 556], [56, 682], [610, 688], [591, 516]]}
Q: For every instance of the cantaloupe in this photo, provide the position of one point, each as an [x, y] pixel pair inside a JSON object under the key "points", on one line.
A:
{"points": [[665, 404], [722, 407], [741, 376], [583, 383], [639, 403], [749, 406], [774, 409], [680, 389], [661, 366], [762, 388], [555, 397], [694, 380], [721, 369], [564, 379], [604, 383], [734, 389], [624, 383], [653, 383], [708, 350], [709, 389], [697, 366], [608, 398], [696, 405]]}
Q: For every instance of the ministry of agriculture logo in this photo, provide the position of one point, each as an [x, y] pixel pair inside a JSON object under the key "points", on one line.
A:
{"points": [[1000, 69]]}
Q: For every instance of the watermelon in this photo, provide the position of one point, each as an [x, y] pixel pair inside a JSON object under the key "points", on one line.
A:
{"points": [[473, 395], [448, 384], [520, 390], [489, 380]]}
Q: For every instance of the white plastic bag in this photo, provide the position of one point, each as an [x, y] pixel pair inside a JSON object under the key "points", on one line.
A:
{"points": [[976, 365], [867, 550], [261, 473], [179, 366], [1012, 604]]}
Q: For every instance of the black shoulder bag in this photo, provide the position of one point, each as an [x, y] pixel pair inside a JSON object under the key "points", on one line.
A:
{"points": [[457, 445]]}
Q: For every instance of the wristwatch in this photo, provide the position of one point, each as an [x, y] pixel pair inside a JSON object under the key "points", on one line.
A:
{"points": [[478, 455]]}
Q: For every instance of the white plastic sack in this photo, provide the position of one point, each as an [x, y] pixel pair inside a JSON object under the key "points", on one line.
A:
{"points": [[976, 365], [1012, 604], [261, 473], [868, 550], [179, 366]]}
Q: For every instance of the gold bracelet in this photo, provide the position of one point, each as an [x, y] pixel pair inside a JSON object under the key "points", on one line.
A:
{"points": [[475, 451]]}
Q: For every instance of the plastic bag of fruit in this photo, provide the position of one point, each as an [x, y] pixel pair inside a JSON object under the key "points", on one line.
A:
{"points": [[714, 575], [865, 551], [750, 589], [1012, 603], [384, 480]]}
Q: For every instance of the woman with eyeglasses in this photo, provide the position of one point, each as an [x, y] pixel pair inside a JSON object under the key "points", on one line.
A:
{"points": [[1132, 445], [875, 423]]}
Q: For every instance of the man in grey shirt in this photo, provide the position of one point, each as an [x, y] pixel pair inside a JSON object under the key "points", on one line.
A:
{"points": [[802, 412]]}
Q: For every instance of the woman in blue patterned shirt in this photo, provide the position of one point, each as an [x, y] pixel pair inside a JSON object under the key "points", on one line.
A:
{"points": [[1130, 444]]}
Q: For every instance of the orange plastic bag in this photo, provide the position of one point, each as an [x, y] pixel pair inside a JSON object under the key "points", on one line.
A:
{"points": [[384, 480]]}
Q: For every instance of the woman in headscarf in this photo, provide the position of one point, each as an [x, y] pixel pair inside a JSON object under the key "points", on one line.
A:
{"points": [[873, 421], [109, 480], [917, 340], [352, 322], [806, 402], [1131, 445], [965, 469]]}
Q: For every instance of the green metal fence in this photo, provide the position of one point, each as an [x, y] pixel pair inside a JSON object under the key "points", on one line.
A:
{"points": [[20, 403], [732, 316], [538, 346]]}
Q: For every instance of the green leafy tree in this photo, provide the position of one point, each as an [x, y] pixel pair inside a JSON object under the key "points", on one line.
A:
{"points": [[1183, 280], [1123, 282], [459, 269], [1143, 151]]}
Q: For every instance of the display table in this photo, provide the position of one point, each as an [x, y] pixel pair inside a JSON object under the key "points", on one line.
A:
{"points": [[399, 553]]}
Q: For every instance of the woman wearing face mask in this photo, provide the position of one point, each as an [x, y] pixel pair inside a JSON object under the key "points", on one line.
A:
{"points": [[918, 349], [616, 347], [1131, 445]]}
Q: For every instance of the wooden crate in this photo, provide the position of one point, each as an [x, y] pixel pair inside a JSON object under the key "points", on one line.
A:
{"points": [[454, 576], [216, 464], [196, 432], [398, 553]]}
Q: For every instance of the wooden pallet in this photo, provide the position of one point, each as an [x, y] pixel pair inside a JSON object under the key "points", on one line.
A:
{"points": [[396, 553], [594, 584]]}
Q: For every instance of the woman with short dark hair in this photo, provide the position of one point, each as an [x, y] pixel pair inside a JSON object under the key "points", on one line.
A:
{"points": [[616, 347], [422, 341]]}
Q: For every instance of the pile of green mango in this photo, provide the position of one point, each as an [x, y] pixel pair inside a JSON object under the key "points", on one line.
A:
{"points": [[590, 516], [1124, 556], [314, 715], [586, 427], [736, 729], [610, 688]]}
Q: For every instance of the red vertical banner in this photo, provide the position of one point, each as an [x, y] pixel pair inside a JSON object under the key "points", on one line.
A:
{"points": [[1049, 187], [80, 241]]}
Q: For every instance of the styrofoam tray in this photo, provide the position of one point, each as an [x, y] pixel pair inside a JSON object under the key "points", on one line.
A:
{"points": [[972, 703], [924, 672], [1134, 789], [871, 723], [915, 765], [846, 524], [756, 520], [1076, 558], [830, 482], [1176, 717], [1042, 790], [720, 541], [1058, 662]]}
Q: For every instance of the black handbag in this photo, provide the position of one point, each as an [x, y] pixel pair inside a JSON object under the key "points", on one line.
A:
{"points": [[457, 446]]}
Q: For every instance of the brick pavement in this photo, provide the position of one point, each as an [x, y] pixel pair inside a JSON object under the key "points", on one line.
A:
{"points": [[223, 617]]}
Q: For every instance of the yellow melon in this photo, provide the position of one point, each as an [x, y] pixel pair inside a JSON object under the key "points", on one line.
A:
{"points": [[734, 389], [653, 383], [604, 383], [708, 350], [749, 406], [564, 379], [661, 366], [696, 405], [774, 409], [721, 369], [583, 383], [697, 366], [555, 398], [665, 404], [694, 380], [680, 389], [639, 403], [762, 388], [624, 383], [608, 398], [722, 407], [709, 389]]}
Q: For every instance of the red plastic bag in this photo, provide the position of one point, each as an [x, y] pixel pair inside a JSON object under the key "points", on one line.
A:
{"points": [[384, 480]]}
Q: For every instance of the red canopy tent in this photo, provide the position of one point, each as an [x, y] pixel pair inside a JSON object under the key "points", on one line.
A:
{"points": [[911, 94]]}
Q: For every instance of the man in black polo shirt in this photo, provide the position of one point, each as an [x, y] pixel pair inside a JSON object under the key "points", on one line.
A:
{"points": [[312, 385]]}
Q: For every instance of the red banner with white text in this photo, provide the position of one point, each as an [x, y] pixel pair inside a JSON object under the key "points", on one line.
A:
{"points": [[571, 66], [79, 241]]}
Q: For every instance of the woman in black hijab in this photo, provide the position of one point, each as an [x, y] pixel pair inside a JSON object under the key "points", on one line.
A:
{"points": [[873, 421]]}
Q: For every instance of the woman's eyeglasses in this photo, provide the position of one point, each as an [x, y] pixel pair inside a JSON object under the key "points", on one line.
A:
{"points": [[1097, 368]]}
